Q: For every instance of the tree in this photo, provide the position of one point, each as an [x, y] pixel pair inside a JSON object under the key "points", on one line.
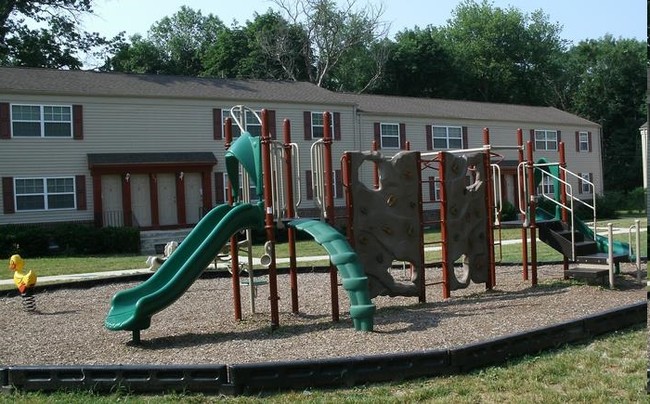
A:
{"points": [[606, 83], [58, 45], [330, 34]]}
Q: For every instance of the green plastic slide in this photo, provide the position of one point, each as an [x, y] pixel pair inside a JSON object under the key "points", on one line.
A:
{"points": [[131, 309], [355, 281]]}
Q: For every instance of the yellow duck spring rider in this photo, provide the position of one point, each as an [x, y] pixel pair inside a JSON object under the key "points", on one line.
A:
{"points": [[24, 282]]}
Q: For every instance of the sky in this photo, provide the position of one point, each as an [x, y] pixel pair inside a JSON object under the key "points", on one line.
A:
{"points": [[580, 19]]}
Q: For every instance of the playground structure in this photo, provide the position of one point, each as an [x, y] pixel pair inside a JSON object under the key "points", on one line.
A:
{"points": [[385, 223]]}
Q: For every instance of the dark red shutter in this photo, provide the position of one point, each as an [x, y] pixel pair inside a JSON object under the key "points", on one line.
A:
{"points": [[307, 124], [532, 138], [80, 186], [579, 183], [77, 122], [308, 184], [272, 128], [5, 121], [432, 188], [429, 135], [338, 185], [337, 126], [402, 136], [559, 139], [218, 187], [377, 133], [8, 194], [465, 140], [577, 142], [589, 139], [217, 124]]}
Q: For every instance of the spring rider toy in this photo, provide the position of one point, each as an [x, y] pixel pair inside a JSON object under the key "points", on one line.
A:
{"points": [[24, 282]]}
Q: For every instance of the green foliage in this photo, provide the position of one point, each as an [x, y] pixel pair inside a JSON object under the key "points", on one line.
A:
{"points": [[508, 211], [67, 239]]}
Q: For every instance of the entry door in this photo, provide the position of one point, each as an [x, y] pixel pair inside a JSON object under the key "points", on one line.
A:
{"points": [[112, 213], [193, 197], [167, 199], [141, 199]]}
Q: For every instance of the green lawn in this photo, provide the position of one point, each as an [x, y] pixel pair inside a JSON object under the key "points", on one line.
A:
{"points": [[610, 369]]}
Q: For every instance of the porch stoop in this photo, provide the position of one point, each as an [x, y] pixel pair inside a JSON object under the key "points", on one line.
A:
{"points": [[152, 242]]}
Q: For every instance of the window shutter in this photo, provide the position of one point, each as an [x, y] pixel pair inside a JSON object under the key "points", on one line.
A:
{"points": [[337, 125], [559, 139], [5, 121], [402, 136], [429, 136], [272, 128], [432, 188], [218, 187], [577, 142], [579, 183], [378, 135], [307, 122], [80, 187], [589, 139], [465, 140], [217, 124], [308, 184], [338, 185], [532, 138], [8, 194], [78, 122]]}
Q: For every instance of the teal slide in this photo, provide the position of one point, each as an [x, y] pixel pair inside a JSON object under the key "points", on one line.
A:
{"points": [[132, 309], [355, 281]]}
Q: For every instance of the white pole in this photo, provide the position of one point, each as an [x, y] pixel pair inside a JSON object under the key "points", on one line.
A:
{"points": [[637, 223], [610, 254]]}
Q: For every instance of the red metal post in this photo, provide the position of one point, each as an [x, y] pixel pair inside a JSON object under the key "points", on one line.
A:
{"points": [[521, 192], [329, 205], [349, 200], [234, 246], [290, 213], [532, 207], [563, 200], [446, 293], [268, 218], [489, 199]]}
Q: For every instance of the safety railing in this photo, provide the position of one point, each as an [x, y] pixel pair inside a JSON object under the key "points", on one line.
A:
{"points": [[318, 176]]}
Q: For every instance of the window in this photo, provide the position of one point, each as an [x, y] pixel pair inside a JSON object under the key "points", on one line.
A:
{"points": [[389, 135], [583, 139], [547, 186], [585, 183], [318, 125], [44, 193], [434, 188], [251, 124], [545, 140], [41, 121], [447, 137]]}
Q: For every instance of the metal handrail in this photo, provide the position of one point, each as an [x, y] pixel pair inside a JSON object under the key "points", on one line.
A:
{"points": [[569, 192], [636, 252], [317, 175], [593, 193], [237, 113]]}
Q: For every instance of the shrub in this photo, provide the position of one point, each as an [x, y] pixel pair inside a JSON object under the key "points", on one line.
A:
{"points": [[636, 200]]}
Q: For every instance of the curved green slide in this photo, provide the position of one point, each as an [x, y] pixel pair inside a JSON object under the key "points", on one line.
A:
{"points": [[618, 247], [355, 281], [131, 309]]}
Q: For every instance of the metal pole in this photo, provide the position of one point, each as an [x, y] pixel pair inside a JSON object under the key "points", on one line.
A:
{"points": [[234, 245], [268, 218], [290, 213], [637, 223], [532, 207], [446, 293], [565, 216], [521, 192], [329, 206], [489, 198], [610, 254], [422, 296]]}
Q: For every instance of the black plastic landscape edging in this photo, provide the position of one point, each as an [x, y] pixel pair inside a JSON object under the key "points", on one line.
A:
{"points": [[335, 372]]}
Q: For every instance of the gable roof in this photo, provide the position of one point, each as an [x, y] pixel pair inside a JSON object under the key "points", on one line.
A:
{"points": [[455, 109], [88, 83]]}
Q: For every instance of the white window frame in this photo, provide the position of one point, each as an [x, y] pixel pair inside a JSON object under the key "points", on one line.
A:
{"points": [[321, 125], [583, 141], [585, 187], [447, 138], [42, 121], [383, 135], [250, 121], [436, 189], [542, 138], [45, 194]]}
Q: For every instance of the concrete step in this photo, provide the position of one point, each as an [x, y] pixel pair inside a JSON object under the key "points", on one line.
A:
{"points": [[152, 242]]}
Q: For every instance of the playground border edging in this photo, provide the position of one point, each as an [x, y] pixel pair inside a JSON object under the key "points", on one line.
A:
{"points": [[332, 372]]}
